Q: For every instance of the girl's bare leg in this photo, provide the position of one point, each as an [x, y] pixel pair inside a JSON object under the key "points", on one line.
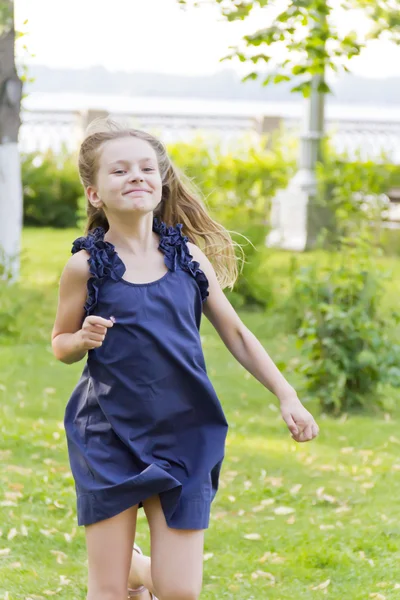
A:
{"points": [[175, 570], [109, 546]]}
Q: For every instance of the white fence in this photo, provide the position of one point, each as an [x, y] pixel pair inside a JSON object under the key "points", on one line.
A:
{"points": [[41, 130], [365, 133]]}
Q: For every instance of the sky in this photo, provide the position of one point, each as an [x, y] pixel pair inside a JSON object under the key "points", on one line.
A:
{"points": [[154, 36]]}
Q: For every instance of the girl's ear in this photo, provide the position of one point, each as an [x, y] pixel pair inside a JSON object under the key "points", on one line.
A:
{"points": [[93, 197]]}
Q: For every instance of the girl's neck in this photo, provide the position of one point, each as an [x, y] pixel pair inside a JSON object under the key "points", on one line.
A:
{"points": [[133, 235]]}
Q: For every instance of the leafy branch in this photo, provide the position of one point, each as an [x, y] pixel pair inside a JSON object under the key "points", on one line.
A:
{"points": [[306, 30]]}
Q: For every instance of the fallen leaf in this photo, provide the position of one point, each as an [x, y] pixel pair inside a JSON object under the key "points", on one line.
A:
{"points": [[12, 533], [267, 501], [322, 586], [271, 557], [284, 510], [291, 520], [265, 575], [252, 536]]}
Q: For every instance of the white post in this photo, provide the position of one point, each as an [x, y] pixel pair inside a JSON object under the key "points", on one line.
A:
{"points": [[292, 226], [10, 210], [10, 170]]}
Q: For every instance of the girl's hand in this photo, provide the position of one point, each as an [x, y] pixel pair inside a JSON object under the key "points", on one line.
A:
{"points": [[93, 332], [300, 422]]}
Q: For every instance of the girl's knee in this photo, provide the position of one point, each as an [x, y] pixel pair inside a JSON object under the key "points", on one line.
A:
{"points": [[177, 592]]}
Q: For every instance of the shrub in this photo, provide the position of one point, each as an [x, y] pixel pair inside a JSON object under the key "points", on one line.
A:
{"points": [[51, 189], [352, 193], [345, 336]]}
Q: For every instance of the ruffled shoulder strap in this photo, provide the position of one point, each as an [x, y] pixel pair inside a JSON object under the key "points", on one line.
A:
{"points": [[176, 253], [103, 262]]}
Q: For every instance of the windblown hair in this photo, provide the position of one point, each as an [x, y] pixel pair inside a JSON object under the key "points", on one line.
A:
{"points": [[181, 201]]}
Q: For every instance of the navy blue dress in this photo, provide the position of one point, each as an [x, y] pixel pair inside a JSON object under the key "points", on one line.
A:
{"points": [[144, 418]]}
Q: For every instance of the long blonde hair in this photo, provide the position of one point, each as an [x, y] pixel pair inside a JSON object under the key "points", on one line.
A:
{"points": [[181, 201]]}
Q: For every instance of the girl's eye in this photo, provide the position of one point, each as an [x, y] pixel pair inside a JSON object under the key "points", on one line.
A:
{"points": [[122, 171]]}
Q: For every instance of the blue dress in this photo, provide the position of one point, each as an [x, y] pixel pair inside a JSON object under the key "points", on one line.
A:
{"points": [[144, 418]]}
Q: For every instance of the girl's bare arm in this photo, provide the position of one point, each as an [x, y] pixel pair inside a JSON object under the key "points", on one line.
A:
{"points": [[72, 335], [251, 354]]}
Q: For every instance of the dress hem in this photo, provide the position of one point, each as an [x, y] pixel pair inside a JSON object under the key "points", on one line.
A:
{"points": [[180, 512]]}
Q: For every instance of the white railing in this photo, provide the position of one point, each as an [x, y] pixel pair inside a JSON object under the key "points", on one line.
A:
{"points": [[43, 129]]}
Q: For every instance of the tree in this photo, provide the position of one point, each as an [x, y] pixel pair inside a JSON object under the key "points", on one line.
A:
{"points": [[10, 171], [306, 30]]}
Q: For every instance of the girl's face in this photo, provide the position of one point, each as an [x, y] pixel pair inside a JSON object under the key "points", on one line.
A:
{"points": [[128, 178]]}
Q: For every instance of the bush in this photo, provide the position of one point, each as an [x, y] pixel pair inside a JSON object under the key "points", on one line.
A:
{"points": [[51, 189], [346, 338], [352, 193]]}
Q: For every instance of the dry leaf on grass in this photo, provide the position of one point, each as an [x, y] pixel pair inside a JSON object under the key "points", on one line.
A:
{"points": [[12, 533], [265, 575], [271, 557], [60, 556], [284, 510], [267, 501], [291, 520], [252, 536], [322, 586]]}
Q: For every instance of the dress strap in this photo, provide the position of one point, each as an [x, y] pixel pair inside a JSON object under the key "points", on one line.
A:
{"points": [[176, 253], [103, 262]]}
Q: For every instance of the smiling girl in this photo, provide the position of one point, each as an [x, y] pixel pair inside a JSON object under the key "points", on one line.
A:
{"points": [[144, 425]]}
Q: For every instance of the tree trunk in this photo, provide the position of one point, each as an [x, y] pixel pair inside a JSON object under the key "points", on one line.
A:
{"points": [[10, 169]]}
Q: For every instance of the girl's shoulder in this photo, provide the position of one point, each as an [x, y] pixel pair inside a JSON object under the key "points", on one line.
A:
{"points": [[77, 265]]}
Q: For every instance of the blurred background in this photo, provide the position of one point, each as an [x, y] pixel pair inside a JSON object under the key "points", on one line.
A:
{"points": [[287, 117]]}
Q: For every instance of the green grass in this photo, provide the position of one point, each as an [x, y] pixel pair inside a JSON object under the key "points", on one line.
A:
{"points": [[288, 517]]}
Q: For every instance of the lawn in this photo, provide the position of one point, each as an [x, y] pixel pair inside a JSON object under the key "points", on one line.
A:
{"points": [[290, 520]]}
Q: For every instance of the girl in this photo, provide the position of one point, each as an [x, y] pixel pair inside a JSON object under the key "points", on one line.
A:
{"points": [[144, 426]]}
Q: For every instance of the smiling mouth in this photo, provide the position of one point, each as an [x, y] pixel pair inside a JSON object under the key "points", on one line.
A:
{"points": [[134, 192]]}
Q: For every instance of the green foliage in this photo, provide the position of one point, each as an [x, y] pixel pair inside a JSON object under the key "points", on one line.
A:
{"points": [[51, 189], [344, 334], [385, 17], [335, 304], [6, 17], [308, 32], [15, 318], [353, 193]]}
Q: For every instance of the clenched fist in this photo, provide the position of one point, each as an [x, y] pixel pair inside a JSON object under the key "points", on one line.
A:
{"points": [[93, 332]]}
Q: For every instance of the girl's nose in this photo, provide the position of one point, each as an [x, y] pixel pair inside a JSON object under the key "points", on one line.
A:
{"points": [[136, 177]]}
